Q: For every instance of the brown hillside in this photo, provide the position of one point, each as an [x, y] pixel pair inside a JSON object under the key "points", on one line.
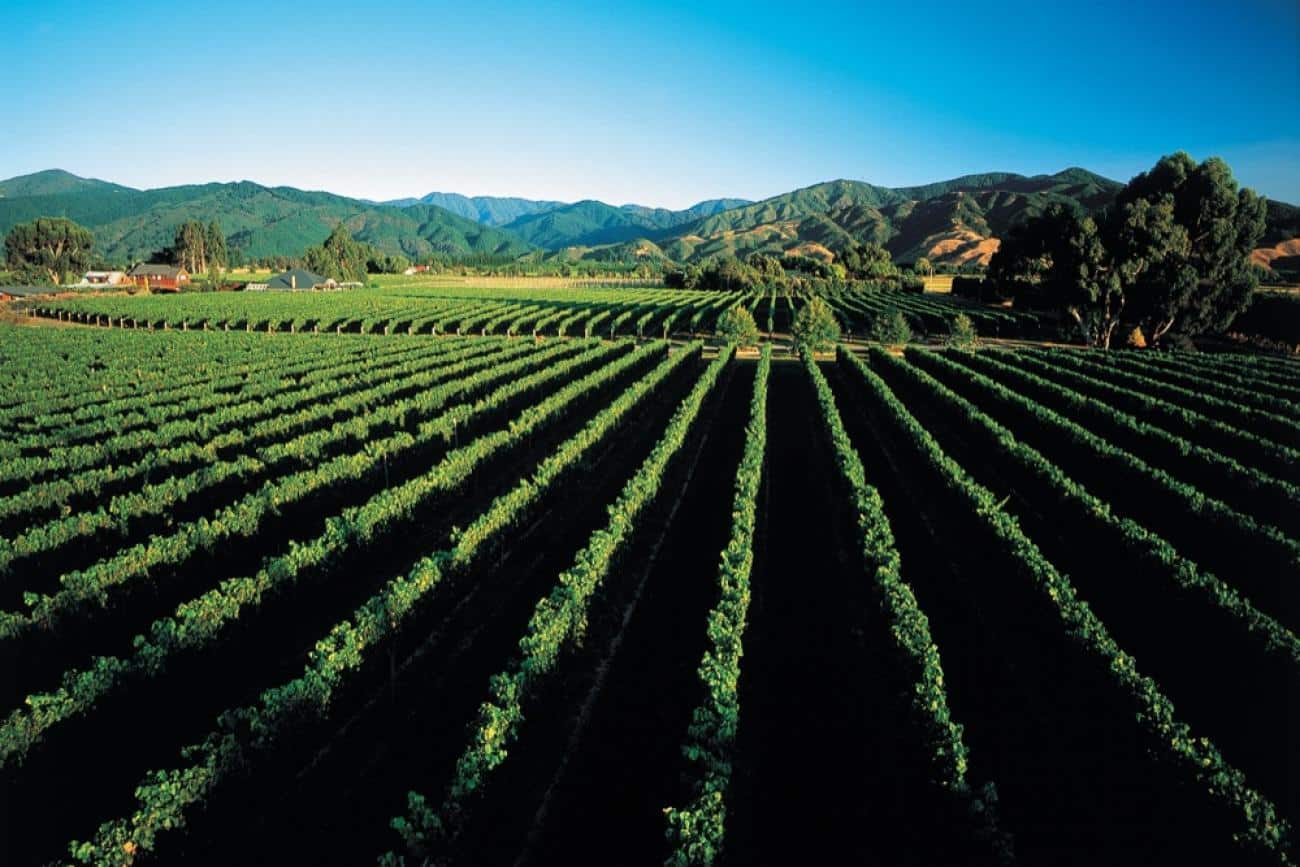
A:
{"points": [[959, 247], [1272, 257]]}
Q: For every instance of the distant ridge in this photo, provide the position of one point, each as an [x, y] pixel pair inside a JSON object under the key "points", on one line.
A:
{"points": [[591, 223], [130, 225], [950, 222], [489, 210], [54, 182]]}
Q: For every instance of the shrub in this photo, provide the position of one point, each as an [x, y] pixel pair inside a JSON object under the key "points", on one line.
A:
{"points": [[891, 327], [815, 327], [961, 331], [737, 326]]}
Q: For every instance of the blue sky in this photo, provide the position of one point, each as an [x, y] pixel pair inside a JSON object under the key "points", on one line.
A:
{"points": [[658, 103]]}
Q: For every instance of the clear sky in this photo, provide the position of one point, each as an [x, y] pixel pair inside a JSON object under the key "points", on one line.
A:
{"points": [[659, 103]]}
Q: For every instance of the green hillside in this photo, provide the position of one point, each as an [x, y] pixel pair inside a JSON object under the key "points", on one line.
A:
{"points": [[489, 210], [910, 221], [950, 222], [419, 230], [53, 182], [592, 223], [638, 250], [129, 225]]}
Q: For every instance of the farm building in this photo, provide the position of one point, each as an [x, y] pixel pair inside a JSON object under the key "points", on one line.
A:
{"points": [[104, 278], [299, 279], [159, 276], [416, 269]]}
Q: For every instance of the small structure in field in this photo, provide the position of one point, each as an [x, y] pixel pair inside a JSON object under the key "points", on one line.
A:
{"points": [[299, 279], [104, 278], [159, 277], [415, 269]]}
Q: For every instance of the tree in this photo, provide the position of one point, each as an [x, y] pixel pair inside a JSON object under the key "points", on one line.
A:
{"points": [[48, 248], [923, 267], [215, 246], [727, 274], [339, 256], [687, 277], [378, 262], [1182, 236], [190, 248], [1091, 289], [961, 332], [868, 261], [891, 327], [737, 326], [216, 278], [1171, 255], [768, 267], [815, 326]]}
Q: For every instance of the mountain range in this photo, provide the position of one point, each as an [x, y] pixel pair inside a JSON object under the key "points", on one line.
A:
{"points": [[951, 222]]}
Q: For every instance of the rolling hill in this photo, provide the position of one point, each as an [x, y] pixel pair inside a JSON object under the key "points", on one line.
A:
{"points": [[489, 210], [130, 224], [52, 182], [419, 230], [592, 223], [950, 222]]}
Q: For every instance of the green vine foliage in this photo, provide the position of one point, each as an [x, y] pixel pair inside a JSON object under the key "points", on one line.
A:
{"points": [[1260, 828], [696, 830], [558, 620], [165, 797]]}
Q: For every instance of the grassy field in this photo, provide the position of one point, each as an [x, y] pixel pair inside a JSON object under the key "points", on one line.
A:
{"points": [[407, 582], [938, 283]]}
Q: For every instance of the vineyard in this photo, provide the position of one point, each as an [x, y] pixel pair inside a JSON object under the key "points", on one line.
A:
{"points": [[416, 308], [545, 577]]}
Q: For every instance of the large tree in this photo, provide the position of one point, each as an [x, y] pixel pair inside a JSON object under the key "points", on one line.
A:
{"points": [[49, 248], [1060, 255], [1170, 256], [767, 266], [339, 256], [190, 247], [1181, 235], [199, 248], [868, 261], [218, 253]]}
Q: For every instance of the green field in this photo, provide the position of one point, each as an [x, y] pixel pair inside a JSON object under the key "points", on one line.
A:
{"points": [[430, 598]]}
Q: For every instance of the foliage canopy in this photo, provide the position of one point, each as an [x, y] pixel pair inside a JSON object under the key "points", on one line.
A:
{"points": [[815, 327], [48, 248], [737, 326], [1170, 256]]}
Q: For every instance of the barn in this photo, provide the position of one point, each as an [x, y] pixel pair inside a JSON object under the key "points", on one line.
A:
{"points": [[159, 276]]}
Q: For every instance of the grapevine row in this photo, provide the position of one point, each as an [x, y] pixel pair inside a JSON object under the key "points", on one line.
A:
{"points": [[556, 623], [1260, 828], [165, 797]]}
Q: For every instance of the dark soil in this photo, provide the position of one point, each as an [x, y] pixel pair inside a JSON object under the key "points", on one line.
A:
{"points": [[1043, 720], [829, 768]]}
